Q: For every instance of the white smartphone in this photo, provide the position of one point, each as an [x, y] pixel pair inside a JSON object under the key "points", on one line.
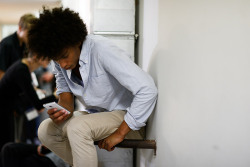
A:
{"points": [[54, 105]]}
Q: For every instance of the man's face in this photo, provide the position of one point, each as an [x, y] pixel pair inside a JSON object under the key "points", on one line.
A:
{"points": [[23, 35], [70, 58]]}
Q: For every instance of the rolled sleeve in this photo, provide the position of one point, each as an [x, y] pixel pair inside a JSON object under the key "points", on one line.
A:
{"points": [[141, 108], [132, 122]]}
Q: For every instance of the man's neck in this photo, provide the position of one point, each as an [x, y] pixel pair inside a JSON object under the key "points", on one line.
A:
{"points": [[20, 39], [31, 64]]}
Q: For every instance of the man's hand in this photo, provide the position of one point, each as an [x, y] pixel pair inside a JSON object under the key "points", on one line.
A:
{"points": [[47, 77], [39, 150], [115, 138], [66, 100], [58, 117], [110, 142], [42, 150]]}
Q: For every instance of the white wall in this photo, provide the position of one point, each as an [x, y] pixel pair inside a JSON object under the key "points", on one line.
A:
{"points": [[201, 65], [148, 24], [80, 6], [148, 31]]}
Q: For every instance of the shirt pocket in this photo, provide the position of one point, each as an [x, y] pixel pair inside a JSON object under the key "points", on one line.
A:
{"points": [[99, 87]]}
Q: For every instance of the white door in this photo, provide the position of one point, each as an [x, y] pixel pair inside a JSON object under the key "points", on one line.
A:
{"points": [[115, 19]]}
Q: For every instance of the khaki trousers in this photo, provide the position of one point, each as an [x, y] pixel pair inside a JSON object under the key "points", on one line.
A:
{"points": [[73, 141]]}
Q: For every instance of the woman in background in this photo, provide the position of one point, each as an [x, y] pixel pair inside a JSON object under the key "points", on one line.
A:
{"points": [[17, 94]]}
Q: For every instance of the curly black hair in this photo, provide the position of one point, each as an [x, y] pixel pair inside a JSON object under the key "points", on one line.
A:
{"points": [[54, 31]]}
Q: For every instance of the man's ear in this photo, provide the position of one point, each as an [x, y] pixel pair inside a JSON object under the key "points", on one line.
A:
{"points": [[19, 29], [80, 44]]}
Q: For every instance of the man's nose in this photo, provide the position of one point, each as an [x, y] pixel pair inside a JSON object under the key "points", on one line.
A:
{"points": [[62, 64]]}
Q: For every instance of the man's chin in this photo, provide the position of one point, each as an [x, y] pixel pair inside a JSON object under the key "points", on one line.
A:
{"points": [[68, 68]]}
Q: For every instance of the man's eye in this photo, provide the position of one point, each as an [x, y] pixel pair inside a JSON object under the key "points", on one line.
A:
{"points": [[64, 57]]}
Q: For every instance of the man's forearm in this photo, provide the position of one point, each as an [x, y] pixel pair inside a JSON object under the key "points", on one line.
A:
{"points": [[67, 101]]}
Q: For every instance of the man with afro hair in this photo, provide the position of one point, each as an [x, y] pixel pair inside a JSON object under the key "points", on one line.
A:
{"points": [[118, 95]]}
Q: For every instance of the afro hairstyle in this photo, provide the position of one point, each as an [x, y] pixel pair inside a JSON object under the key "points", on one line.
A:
{"points": [[54, 31]]}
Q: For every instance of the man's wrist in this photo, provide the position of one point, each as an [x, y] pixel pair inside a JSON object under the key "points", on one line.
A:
{"points": [[123, 130]]}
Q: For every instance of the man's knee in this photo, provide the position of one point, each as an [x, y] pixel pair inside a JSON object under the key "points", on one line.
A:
{"points": [[76, 128], [45, 129]]}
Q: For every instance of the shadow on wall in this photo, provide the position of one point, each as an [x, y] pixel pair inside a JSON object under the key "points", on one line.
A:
{"points": [[156, 124], [153, 71], [147, 157]]}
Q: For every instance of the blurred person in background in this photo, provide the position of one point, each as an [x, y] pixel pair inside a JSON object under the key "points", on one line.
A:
{"points": [[13, 47], [29, 155], [16, 83]]}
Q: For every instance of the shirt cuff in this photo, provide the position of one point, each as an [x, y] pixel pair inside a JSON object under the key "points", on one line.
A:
{"points": [[58, 92], [132, 122]]}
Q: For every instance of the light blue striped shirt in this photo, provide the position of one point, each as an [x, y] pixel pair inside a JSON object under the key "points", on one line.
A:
{"points": [[111, 81]]}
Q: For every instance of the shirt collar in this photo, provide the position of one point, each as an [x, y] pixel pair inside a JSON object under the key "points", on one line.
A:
{"points": [[85, 52]]}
